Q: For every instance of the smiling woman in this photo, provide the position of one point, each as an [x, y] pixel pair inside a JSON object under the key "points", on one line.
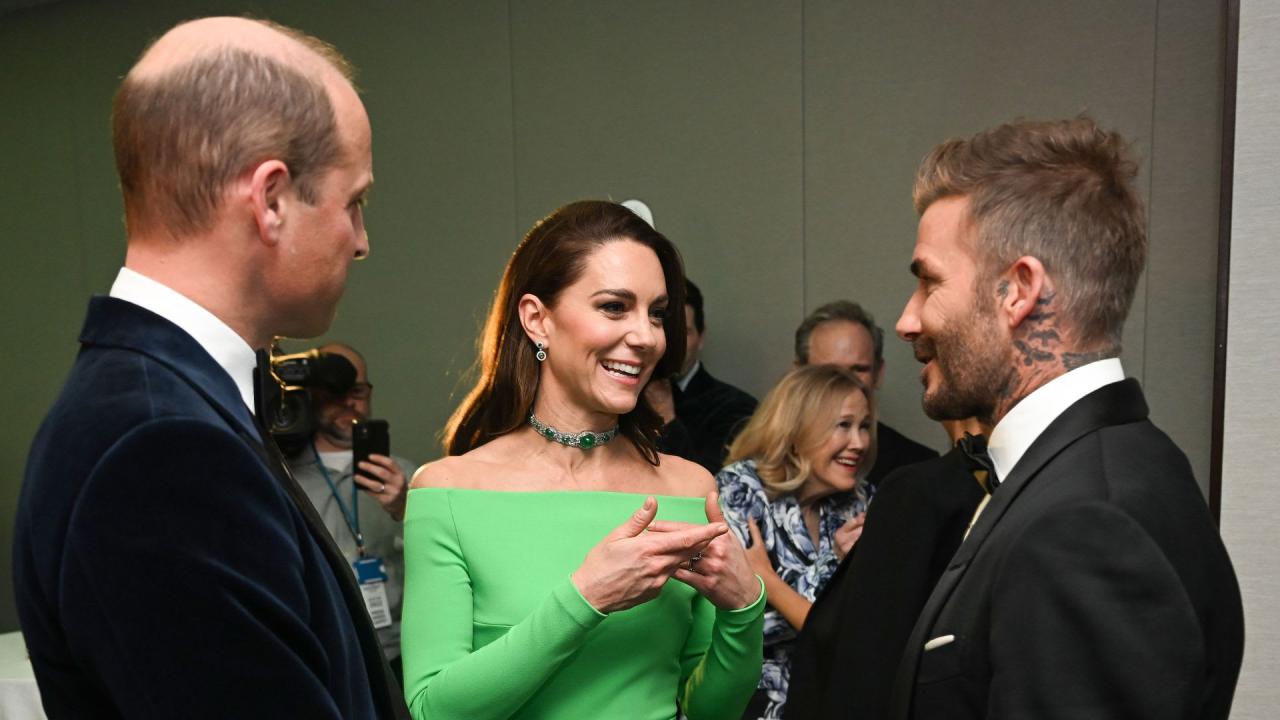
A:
{"points": [[553, 450], [791, 487]]}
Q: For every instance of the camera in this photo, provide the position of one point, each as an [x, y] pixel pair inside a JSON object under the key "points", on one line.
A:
{"points": [[288, 405]]}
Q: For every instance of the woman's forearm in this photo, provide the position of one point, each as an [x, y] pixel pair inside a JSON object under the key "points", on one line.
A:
{"points": [[789, 603]]}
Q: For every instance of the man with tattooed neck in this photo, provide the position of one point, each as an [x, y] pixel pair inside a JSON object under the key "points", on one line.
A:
{"points": [[1093, 583]]}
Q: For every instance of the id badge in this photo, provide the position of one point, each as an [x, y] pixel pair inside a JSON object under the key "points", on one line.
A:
{"points": [[372, 576]]}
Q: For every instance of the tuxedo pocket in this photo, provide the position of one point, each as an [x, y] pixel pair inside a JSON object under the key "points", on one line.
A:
{"points": [[941, 662]]}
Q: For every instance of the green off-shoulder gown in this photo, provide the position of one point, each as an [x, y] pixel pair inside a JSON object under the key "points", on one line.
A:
{"points": [[493, 627]]}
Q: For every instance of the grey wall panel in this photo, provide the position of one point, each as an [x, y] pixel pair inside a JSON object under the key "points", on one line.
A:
{"points": [[885, 82], [1186, 157], [694, 108], [436, 79], [40, 281], [775, 142], [1251, 450]]}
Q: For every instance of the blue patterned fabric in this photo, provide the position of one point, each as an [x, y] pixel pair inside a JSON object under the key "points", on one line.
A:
{"points": [[802, 566]]}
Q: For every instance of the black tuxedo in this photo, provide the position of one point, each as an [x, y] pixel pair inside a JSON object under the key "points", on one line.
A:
{"points": [[712, 412], [845, 658], [1094, 585], [895, 450], [164, 564]]}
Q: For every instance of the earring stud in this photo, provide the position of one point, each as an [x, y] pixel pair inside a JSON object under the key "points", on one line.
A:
{"points": [[542, 352]]}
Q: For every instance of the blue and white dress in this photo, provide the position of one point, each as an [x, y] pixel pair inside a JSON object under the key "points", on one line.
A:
{"points": [[802, 566]]}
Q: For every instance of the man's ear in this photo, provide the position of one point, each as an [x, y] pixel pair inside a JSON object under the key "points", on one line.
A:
{"points": [[270, 198], [1023, 290], [535, 319]]}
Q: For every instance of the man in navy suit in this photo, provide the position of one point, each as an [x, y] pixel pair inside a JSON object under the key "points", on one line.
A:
{"points": [[165, 564], [1093, 583]]}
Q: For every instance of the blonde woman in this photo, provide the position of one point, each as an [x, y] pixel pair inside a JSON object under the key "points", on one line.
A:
{"points": [[791, 488]]}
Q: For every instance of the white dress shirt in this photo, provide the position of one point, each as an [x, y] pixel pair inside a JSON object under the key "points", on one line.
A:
{"points": [[683, 381], [222, 343], [1023, 424]]}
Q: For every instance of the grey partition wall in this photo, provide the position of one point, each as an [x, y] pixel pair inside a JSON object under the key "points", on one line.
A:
{"points": [[774, 141]]}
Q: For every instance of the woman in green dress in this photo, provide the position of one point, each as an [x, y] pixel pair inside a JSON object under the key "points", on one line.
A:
{"points": [[558, 566]]}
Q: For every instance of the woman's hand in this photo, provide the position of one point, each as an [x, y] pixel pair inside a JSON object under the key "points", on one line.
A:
{"points": [[757, 555], [847, 535], [721, 572], [388, 485], [629, 566]]}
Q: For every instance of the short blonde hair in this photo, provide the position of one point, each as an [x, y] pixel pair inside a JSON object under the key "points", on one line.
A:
{"points": [[794, 417]]}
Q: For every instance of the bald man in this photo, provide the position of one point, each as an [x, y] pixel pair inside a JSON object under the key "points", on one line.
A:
{"points": [[165, 564]]}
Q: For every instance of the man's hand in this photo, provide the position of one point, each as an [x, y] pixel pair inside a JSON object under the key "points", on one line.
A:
{"points": [[388, 487]]}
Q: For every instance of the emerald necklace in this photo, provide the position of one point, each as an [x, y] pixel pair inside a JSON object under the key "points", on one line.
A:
{"points": [[584, 440]]}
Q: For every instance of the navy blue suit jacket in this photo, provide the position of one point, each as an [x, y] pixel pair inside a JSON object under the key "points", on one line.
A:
{"points": [[162, 565]]}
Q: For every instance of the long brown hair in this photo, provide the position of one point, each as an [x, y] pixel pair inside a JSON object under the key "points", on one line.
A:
{"points": [[550, 258]]}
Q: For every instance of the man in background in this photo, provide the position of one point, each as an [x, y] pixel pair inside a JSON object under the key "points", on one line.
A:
{"points": [[710, 412], [843, 333], [362, 511], [165, 564]]}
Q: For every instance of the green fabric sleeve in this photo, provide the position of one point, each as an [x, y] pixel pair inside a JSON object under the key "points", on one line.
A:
{"points": [[722, 659], [445, 677]]}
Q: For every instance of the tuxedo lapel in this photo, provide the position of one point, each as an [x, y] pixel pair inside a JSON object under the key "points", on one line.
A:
{"points": [[1114, 404]]}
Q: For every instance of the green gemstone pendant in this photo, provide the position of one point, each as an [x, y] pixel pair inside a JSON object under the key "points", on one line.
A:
{"points": [[584, 440]]}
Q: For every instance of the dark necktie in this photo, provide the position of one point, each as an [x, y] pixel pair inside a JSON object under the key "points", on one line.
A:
{"points": [[975, 449]]}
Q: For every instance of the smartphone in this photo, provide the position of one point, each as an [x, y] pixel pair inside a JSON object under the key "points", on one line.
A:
{"points": [[369, 436]]}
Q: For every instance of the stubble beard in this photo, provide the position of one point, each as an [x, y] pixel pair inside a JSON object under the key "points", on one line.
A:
{"points": [[972, 371]]}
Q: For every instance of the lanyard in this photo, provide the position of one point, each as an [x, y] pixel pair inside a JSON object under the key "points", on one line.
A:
{"points": [[351, 516]]}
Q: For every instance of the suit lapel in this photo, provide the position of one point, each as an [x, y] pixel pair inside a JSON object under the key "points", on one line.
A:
{"points": [[1115, 404], [115, 323]]}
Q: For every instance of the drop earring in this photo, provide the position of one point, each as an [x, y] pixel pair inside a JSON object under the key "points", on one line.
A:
{"points": [[542, 353]]}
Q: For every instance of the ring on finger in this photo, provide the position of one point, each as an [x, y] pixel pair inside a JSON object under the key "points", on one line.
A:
{"points": [[382, 488]]}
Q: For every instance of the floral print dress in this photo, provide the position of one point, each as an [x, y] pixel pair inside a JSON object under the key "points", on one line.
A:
{"points": [[786, 537]]}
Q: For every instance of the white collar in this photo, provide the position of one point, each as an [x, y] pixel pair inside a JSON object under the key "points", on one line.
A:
{"points": [[222, 343], [683, 380], [1023, 424]]}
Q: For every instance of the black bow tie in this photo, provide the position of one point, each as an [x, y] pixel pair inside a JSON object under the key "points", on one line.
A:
{"points": [[975, 449]]}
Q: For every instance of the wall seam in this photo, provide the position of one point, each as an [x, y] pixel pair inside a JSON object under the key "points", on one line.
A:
{"points": [[511, 86], [804, 173], [1151, 184]]}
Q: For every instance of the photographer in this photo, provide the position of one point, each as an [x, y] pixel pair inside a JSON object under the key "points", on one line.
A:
{"points": [[362, 511]]}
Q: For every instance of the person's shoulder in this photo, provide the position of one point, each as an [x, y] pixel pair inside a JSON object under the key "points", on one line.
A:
{"points": [[454, 471], [899, 446], [728, 394], [683, 477], [740, 473], [477, 469]]}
